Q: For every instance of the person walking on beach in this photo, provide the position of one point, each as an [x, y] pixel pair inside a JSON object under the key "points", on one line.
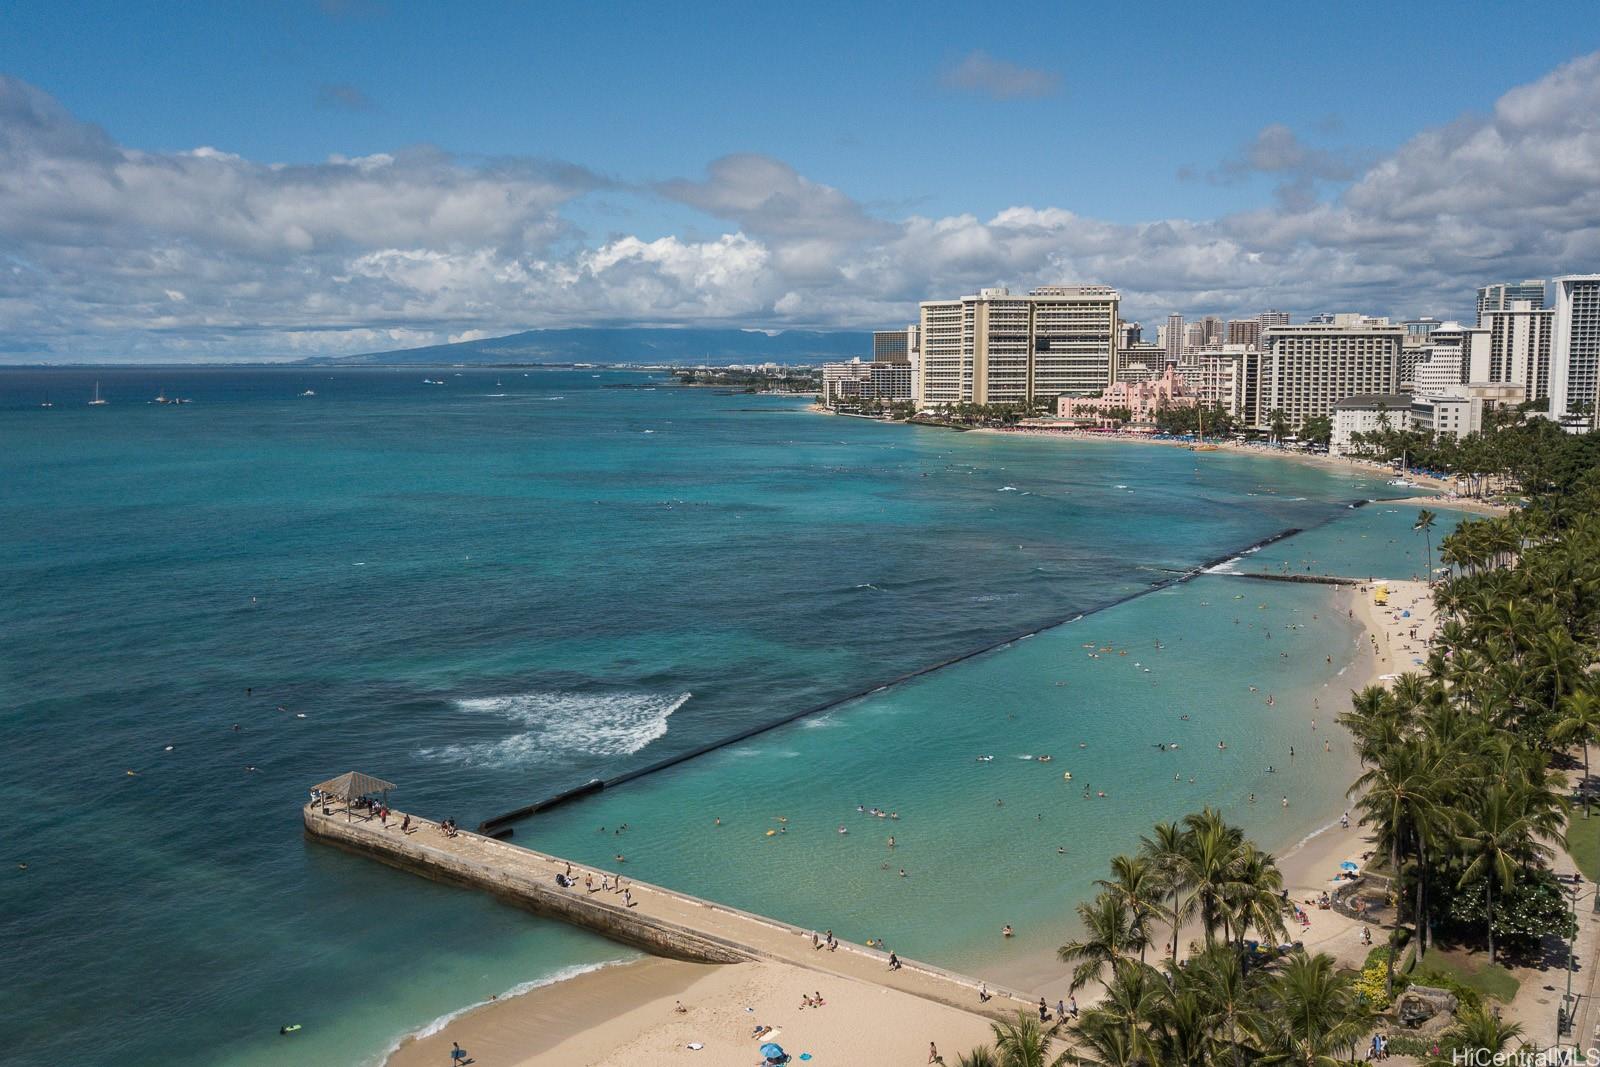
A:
{"points": [[458, 1055], [894, 962], [1072, 1005], [933, 1053]]}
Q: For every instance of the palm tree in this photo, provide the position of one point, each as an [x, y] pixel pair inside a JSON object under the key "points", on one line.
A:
{"points": [[1108, 936], [1218, 976], [1278, 424], [1168, 847], [1494, 840], [1022, 1043], [1397, 800], [981, 1056], [1311, 1015], [1136, 881], [1580, 722], [1425, 521], [1475, 1028], [1256, 900], [1212, 862], [1117, 1028]]}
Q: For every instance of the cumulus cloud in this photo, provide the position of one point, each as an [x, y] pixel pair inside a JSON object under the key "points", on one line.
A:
{"points": [[979, 72], [107, 251]]}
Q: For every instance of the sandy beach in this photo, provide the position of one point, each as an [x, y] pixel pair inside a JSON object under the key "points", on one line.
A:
{"points": [[627, 1015]]}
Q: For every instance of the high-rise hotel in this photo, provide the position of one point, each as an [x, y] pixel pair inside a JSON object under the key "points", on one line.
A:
{"points": [[999, 348], [1305, 370], [1575, 349]]}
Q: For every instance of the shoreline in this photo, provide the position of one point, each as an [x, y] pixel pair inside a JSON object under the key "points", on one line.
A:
{"points": [[1452, 496], [627, 1014], [612, 1015]]}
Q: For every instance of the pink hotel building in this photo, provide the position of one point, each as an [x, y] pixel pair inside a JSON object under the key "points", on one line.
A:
{"points": [[1141, 399]]}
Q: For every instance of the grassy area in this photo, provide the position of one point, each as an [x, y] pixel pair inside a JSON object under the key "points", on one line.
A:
{"points": [[1473, 971], [1583, 842]]}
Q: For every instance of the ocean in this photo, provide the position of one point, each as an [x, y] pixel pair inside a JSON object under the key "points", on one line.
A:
{"points": [[497, 587]]}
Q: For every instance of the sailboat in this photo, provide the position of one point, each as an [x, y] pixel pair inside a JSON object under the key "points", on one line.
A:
{"points": [[47, 403], [161, 397], [97, 401]]}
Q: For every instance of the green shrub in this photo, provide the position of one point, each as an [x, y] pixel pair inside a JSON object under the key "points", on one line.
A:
{"points": [[1465, 994]]}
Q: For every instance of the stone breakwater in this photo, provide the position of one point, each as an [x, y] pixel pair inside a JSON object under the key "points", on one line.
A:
{"points": [[659, 921]]}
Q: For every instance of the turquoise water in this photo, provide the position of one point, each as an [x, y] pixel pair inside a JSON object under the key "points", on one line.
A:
{"points": [[499, 587], [1376, 541]]}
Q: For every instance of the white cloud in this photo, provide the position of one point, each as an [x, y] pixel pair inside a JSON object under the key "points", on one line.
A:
{"points": [[980, 72], [107, 250]]}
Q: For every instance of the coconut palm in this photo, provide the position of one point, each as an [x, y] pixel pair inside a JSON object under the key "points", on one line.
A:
{"points": [[1311, 1015], [1397, 800], [1256, 899], [1219, 978], [1108, 936], [1137, 882], [981, 1056], [1213, 866], [1425, 521], [1494, 840], [1167, 848], [1022, 1043], [1580, 721]]}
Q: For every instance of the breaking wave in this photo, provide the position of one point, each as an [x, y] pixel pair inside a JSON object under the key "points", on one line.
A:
{"points": [[558, 724]]}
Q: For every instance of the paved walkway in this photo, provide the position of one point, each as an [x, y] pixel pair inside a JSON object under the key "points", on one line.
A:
{"points": [[757, 935]]}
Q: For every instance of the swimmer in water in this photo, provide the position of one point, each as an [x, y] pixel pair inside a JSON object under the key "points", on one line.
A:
{"points": [[1252, 798], [1221, 746], [1183, 718]]}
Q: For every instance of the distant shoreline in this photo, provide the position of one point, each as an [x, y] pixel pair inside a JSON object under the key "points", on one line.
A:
{"points": [[1327, 461]]}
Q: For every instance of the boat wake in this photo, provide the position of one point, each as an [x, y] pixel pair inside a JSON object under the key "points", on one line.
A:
{"points": [[557, 725]]}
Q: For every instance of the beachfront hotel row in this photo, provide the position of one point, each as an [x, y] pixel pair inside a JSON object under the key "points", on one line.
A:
{"points": [[1066, 347]]}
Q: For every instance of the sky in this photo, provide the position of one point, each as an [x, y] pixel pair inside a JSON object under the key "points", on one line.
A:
{"points": [[232, 180]]}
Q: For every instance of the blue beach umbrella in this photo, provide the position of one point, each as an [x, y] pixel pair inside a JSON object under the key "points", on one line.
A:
{"points": [[772, 1051], [1347, 866]]}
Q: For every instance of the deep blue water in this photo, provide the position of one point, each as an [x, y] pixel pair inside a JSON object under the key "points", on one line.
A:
{"points": [[504, 585]]}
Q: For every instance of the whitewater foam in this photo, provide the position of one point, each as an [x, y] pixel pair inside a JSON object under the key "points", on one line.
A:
{"points": [[558, 724], [562, 975]]}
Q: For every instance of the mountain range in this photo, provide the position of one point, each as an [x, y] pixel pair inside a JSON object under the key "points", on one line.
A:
{"points": [[633, 345]]}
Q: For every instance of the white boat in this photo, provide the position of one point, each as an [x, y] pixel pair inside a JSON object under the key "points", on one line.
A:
{"points": [[161, 397], [47, 403], [309, 392], [97, 401]]}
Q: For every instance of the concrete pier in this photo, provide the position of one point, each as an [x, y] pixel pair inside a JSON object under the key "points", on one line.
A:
{"points": [[660, 921]]}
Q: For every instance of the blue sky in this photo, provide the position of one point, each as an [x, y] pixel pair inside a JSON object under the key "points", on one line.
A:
{"points": [[1112, 121]]}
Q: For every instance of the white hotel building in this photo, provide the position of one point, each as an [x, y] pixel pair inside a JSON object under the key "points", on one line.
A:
{"points": [[999, 348], [1306, 369], [1575, 348]]}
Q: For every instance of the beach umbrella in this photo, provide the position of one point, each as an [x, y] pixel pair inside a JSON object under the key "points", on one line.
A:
{"points": [[772, 1051], [1347, 866]]}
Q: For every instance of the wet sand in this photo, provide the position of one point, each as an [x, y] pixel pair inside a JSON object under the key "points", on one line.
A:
{"points": [[625, 1015]]}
